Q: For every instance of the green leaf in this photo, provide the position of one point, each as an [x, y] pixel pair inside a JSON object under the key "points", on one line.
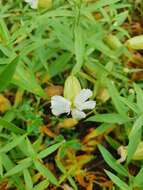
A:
{"points": [[59, 65], [139, 96], [108, 118], [25, 79], [99, 4], [134, 138], [1, 166], [30, 149], [66, 175], [60, 29], [6, 51], [122, 185], [10, 126], [131, 105], [138, 180], [42, 185], [45, 172], [49, 150], [120, 107], [27, 179], [4, 33], [113, 143], [112, 162], [7, 74], [20, 167], [79, 50], [8, 165], [12, 144], [103, 128], [120, 18]]}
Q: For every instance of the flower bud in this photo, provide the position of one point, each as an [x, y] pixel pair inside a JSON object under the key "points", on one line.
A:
{"points": [[71, 88], [113, 41], [135, 42], [68, 123], [45, 4]]}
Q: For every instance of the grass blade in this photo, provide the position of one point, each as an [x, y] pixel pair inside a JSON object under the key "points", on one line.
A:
{"points": [[46, 172], [122, 185], [7, 74], [112, 162], [134, 137]]}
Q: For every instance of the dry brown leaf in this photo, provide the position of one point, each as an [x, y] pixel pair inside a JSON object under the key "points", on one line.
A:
{"points": [[54, 90], [45, 129]]}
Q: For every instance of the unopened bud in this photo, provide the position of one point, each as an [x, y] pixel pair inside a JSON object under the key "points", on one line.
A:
{"points": [[45, 4], [135, 42], [71, 88]]}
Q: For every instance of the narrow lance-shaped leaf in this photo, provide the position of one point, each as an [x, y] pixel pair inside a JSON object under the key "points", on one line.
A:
{"points": [[4, 33], [1, 166], [12, 144], [121, 184], [26, 80], [112, 162], [79, 49], [45, 172], [28, 179], [134, 137], [42, 185], [7, 74], [49, 150], [8, 165], [120, 107], [139, 97], [20, 167], [66, 175], [10, 126], [138, 180], [108, 118]]}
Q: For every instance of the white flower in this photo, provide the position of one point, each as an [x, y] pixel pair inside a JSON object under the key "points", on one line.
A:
{"points": [[60, 105], [33, 3]]}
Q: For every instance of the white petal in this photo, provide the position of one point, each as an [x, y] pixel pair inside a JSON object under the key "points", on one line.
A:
{"points": [[60, 105], [33, 3], [81, 102], [84, 95], [87, 105], [77, 114]]}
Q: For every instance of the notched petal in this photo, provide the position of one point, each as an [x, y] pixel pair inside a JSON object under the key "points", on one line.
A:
{"points": [[60, 105], [88, 105], [33, 3], [77, 114], [83, 96], [81, 102]]}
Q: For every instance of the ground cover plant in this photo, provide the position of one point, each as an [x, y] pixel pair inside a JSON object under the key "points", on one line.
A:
{"points": [[71, 95]]}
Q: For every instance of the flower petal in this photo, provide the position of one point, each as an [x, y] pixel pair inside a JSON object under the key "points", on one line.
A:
{"points": [[60, 105], [88, 105], [84, 95], [81, 102], [33, 3], [77, 114]]}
